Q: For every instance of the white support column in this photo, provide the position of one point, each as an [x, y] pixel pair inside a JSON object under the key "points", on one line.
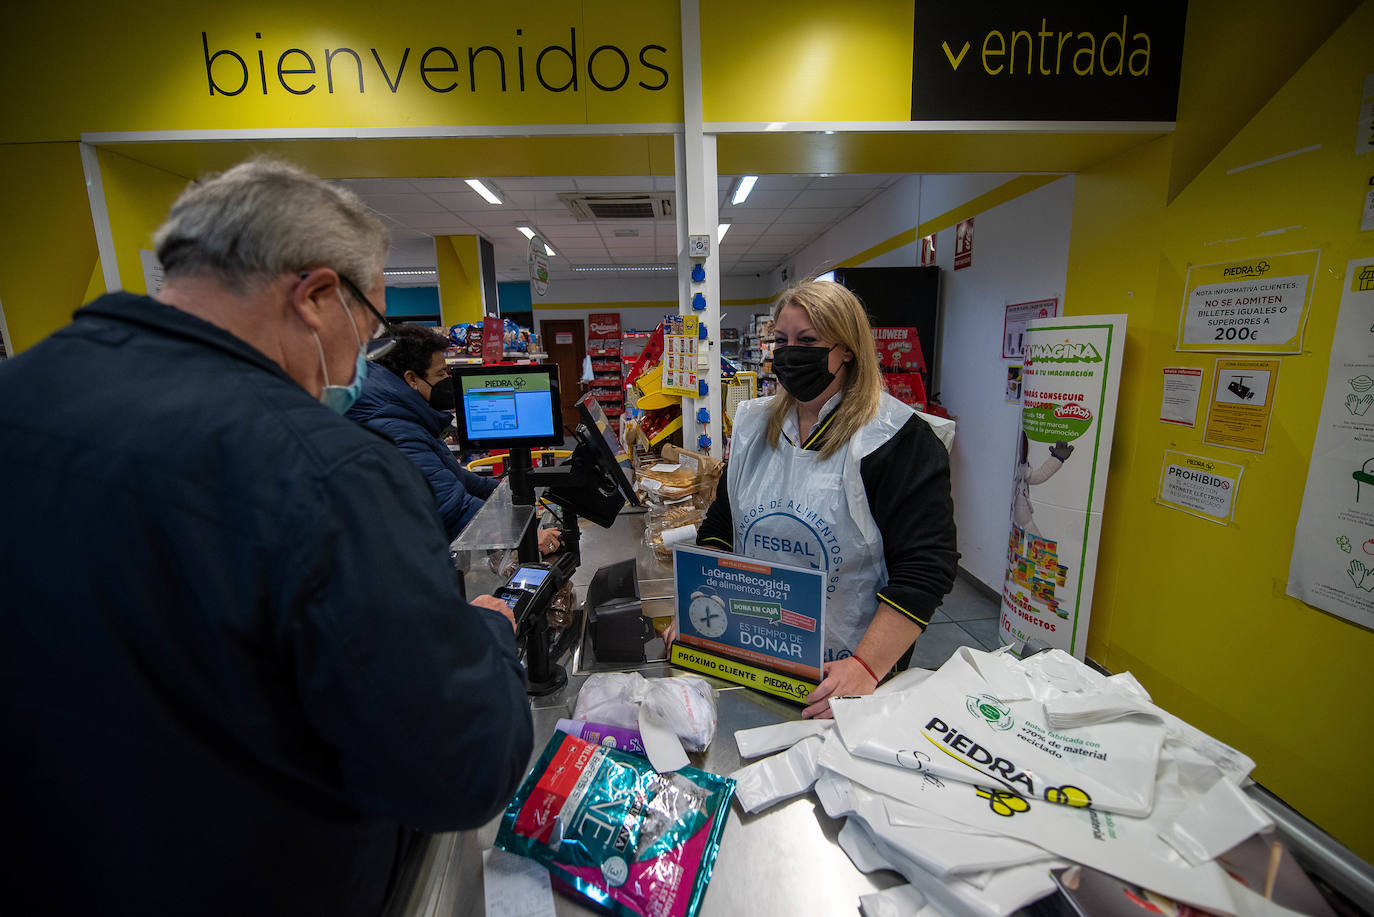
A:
{"points": [[698, 206], [5, 339], [100, 217]]}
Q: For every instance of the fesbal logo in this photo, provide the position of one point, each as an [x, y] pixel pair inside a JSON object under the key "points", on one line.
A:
{"points": [[269, 64]]}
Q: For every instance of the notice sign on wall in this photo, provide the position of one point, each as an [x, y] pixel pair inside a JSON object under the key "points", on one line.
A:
{"points": [[1255, 306], [1333, 548], [1200, 486], [1019, 314], [963, 244], [1241, 404], [1182, 391]]}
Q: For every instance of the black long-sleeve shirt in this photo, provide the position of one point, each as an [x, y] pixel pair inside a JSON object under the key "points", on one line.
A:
{"points": [[906, 482]]}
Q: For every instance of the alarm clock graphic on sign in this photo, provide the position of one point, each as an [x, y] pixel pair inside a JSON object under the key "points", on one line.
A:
{"points": [[707, 613]]}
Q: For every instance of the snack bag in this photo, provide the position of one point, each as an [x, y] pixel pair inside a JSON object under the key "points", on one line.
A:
{"points": [[636, 842]]}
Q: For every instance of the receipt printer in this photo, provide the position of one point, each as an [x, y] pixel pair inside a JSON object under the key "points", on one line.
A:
{"points": [[615, 614]]}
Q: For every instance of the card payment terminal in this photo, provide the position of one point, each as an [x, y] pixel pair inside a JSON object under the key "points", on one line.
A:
{"points": [[531, 588]]}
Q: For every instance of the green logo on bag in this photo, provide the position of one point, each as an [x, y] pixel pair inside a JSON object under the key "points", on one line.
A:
{"points": [[995, 713]]}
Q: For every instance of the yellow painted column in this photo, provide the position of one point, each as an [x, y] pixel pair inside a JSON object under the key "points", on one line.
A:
{"points": [[47, 243], [460, 279]]}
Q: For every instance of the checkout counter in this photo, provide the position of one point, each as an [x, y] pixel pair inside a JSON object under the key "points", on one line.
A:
{"points": [[783, 861], [790, 850]]}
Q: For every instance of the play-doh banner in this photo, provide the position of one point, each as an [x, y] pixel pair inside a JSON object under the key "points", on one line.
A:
{"points": [[1069, 384]]}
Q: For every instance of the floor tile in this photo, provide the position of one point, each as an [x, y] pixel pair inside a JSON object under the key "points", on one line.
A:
{"points": [[939, 617], [965, 603], [984, 630], [938, 643]]}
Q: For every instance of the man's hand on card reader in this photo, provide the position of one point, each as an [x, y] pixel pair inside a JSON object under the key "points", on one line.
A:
{"points": [[495, 604]]}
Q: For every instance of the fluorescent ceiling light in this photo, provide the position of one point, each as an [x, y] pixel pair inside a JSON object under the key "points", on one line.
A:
{"points": [[526, 232], [742, 189], [408, 273], [721, 230], [487, 194], [626, 267], [549, 251]]}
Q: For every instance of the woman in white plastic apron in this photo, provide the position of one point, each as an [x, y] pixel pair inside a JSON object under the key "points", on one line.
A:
{"points": [[837, 474]]}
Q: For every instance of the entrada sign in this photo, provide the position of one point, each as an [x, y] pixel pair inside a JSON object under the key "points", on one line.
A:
{"points": [[1066, 61]]}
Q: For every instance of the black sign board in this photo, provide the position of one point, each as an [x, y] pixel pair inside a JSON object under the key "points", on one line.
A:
{"points": [[1067, 61]]}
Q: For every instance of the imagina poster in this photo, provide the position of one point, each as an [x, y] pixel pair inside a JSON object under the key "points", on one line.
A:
{"points": [[1069, 384]]}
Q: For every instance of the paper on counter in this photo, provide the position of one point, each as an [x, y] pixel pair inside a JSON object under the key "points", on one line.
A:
{"points": [[515, 886], [898, 901], [681, 533]]}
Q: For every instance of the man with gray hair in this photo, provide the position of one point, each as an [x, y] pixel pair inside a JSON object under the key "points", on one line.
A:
{"points": [[236, 659]]}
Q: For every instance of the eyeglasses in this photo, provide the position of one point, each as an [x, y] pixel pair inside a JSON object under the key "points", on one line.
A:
{"points": [[383, 340]]}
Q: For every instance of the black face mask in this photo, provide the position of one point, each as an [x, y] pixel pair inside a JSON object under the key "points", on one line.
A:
{"points": [[441, 395], [803, 371]]}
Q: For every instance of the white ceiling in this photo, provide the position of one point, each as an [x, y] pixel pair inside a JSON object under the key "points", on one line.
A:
{"points": [[783, 214]]}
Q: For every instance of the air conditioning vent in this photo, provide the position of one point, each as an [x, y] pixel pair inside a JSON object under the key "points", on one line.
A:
{"points": [[630, 205]]}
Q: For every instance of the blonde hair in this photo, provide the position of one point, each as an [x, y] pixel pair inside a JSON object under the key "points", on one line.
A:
{"points": [[838, 318]]}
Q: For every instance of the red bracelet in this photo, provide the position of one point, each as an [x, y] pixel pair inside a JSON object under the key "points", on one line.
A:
{"points": [[855, 657]]}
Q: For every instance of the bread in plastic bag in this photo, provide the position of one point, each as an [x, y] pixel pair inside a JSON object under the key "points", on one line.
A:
{"points": [[685, 703]]}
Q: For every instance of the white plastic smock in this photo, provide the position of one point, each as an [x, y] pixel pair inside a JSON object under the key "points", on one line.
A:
{"points": [[791, 506]]}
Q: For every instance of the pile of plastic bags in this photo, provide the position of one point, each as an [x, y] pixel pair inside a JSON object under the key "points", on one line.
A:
{"points": [[975, 781]]}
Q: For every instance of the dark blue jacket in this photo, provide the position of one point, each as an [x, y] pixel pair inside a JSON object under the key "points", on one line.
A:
{"points": [[394, 409], [233, 653]]}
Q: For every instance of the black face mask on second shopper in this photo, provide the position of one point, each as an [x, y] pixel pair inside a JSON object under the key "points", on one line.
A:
{"points": [[803, 371], [441, 395]]}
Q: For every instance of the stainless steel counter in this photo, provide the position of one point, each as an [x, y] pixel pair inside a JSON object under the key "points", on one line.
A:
{"points": [[789, 851], [784, 861]]}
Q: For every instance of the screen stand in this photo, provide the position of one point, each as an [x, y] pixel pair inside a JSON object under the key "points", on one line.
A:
{"points": [[544, 675]]}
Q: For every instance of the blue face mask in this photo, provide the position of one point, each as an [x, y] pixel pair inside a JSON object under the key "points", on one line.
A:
{"points": [[340, 398]]}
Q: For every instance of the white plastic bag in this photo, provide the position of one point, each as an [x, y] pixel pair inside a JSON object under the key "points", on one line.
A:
{"points": [[779, 777], [670, 713], [764, 740], [981, 719]]}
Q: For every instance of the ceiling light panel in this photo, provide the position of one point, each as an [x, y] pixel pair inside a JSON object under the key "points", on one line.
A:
{"points": [[742, 189], [487, 194]]}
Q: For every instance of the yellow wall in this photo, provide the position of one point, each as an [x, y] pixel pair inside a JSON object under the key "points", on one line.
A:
{"points": [[809, 60], [1195, 610], [138, 198], [47, 245], [460, 279]]}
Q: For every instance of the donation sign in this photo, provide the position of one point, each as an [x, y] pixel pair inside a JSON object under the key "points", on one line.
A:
{"points": [[1332, 566], [1069, 385], [765, 615], [1255, 306]]}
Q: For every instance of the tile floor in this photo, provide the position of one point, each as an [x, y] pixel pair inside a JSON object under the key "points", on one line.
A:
{"points": [[968, 617]]}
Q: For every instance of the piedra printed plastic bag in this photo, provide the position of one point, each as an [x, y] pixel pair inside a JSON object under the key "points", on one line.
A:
{"points": [[981, 719]]}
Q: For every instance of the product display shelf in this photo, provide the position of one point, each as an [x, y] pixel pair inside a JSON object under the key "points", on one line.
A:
{"points": [[607, 385]]}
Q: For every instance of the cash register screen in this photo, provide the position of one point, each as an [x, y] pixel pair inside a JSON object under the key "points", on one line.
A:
{"points": [[507, 407], [528, 578]]}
